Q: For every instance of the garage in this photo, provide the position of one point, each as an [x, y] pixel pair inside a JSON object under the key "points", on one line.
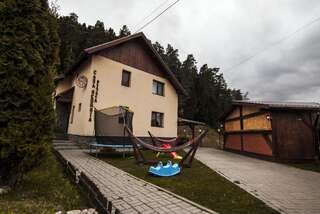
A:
{"points": [[273, 130]]}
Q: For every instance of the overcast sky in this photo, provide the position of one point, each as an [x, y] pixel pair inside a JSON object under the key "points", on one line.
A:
{"points": [[224, 33]]}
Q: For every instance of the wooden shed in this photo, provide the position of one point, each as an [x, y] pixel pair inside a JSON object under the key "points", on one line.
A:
{"points": [[275, 130]]}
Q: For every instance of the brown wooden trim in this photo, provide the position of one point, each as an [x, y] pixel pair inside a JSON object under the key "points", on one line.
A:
{"points": [[274, 135], [241, 126], [315, 124], [255, 114], [316, 135]]}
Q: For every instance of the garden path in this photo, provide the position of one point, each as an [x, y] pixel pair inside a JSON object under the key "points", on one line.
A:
{"points": [[127, 193]]}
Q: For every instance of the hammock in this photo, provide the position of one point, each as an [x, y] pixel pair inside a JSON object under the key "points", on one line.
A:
{"points": [[194, 143], [158, 141]]}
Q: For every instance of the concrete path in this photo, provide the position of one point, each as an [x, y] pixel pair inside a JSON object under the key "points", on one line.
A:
{"points": [[286, 189], [128, 193]]}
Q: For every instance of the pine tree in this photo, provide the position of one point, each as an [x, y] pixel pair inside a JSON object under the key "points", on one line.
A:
{"points": [[188, 78], [172, 59], [160, 50], [124, 31], [28, 60]]}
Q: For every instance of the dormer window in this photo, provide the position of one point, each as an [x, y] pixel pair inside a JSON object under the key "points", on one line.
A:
{"points": [[158, 88]]}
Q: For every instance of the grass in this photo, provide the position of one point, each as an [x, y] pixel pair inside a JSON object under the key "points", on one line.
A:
{"points": [[199, 184], [313, 166], [45, 189]]}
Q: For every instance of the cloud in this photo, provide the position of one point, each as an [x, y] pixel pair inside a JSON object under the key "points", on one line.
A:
{"points": [[222, 33]]}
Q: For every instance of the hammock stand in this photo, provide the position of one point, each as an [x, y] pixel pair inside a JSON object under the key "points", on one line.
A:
{"points": [[141, 159]]}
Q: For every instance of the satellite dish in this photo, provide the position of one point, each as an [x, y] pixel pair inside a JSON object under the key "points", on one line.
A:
{"points": [[82, 81]]}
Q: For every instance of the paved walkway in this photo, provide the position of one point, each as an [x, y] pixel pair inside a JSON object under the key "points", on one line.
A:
{"points": [[128, 193], [284, 188]]}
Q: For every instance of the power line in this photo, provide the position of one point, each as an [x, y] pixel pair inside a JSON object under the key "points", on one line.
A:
{"points": [[288, 36], [149, 22], [149, 15]]}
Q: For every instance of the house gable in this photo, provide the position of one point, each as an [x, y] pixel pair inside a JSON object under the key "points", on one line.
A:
{"points": [[133, 53], [145, 57]]}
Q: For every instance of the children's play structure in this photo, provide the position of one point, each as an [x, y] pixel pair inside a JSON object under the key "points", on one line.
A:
{"points": [[109, 129], [165, 171], [166, 144], [187, 159], [113, 129]]}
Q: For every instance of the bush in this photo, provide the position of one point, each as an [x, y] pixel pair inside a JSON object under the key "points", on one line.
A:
{"points": [[28, 60]]}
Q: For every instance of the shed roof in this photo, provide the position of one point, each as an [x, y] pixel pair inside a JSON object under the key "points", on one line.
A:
{"points": [[95, 49], [183, 121], [280, 105]]}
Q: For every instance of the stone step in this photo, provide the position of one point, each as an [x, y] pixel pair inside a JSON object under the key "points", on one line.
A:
{"points": [[61, 136]]}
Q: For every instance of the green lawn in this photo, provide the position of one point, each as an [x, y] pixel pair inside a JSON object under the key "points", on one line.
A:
{"points": [[199, 184], [45, 189]]}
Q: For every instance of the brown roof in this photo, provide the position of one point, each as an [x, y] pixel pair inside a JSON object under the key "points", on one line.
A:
{"points": [[280, 105], [95, 49], [273, 105]]}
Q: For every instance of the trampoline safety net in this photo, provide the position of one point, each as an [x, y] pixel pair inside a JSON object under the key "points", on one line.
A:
{"points": [[109, 125]]}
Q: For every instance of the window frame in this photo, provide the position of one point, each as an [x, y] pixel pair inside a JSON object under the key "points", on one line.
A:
{"points": [[123, 83], [157, 92], [154, 119]]}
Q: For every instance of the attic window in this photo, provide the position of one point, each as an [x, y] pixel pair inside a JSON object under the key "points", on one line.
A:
{"points": [[126, 76]]}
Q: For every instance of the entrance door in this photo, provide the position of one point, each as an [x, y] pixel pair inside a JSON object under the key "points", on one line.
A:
{"points": [[62, 117], [63, 108]]}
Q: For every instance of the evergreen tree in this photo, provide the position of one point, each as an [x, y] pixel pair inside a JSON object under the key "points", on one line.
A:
{"points": [[160, 50], [188, 78], [208, 94], [124, 31], [71, 36], [111, 35], [172, 59], [28, 60]]}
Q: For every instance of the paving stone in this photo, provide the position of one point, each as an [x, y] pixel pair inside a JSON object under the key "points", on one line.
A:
{"points": [[128, 193], [284, 188]]}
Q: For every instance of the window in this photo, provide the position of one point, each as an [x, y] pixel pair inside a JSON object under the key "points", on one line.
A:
{"points": [[126, 75], [79, 107], [158, 88], [156, 119], [72, 114]]}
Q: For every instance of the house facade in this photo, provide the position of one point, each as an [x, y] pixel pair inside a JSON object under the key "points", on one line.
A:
{"points": [[273, 130], [124, 72]]}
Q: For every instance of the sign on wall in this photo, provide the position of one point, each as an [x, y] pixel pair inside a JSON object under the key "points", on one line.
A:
{"points": [[94, 93], [82, 81]]}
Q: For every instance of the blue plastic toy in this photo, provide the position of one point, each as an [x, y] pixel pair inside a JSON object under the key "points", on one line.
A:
{"points": [[165, 171]]}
